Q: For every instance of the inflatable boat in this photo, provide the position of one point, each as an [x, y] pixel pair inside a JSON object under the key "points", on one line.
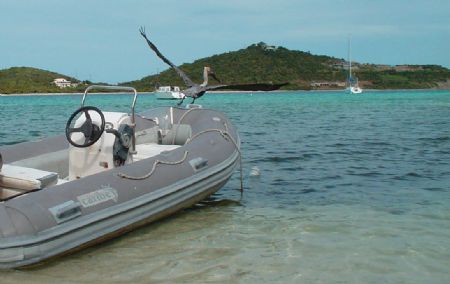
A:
{"points": [[110, 173]]}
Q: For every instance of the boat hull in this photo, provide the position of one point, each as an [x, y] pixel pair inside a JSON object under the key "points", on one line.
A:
{"points": [[115, 205], [79, 236], [354, 90], [169, 95]]}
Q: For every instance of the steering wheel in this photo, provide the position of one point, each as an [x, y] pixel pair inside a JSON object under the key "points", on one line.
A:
{"points": [[90, 130]]}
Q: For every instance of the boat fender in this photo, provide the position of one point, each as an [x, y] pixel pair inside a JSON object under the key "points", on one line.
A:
{"points": [[1, 162]]}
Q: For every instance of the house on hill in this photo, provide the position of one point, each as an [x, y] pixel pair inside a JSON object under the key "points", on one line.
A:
{"points": [[63, 83], [327, 84], [267, 47]]}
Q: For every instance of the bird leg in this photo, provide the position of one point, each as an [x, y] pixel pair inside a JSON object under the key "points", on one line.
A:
{"points": [[180, 102]]}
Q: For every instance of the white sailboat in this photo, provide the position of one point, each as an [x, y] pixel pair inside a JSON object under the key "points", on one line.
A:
{"points": [[353, 87]]}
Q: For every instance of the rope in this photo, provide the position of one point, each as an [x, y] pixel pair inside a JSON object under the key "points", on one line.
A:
{"points": [[122, 175], [224, 133], [240, 160]]}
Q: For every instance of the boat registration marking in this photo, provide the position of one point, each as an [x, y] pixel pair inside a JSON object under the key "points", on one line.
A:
{"points": [[99, 196]]}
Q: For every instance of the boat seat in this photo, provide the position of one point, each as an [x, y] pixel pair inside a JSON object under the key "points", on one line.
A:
{"points": [[57, 161], [6, 193], [22, 178], [145, 151]]}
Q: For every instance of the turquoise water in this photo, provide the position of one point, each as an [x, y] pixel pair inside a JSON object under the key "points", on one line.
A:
{"points": [[352, 189]]}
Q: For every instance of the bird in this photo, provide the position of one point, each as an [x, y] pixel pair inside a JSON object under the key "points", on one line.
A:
{"points": [[195, 90]]}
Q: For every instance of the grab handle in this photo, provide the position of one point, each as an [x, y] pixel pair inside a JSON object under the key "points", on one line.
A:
{"points": [[66, 211], [118, 88]]}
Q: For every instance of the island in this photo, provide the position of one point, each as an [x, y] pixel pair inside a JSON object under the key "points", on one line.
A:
{"points": [[257, 63]]}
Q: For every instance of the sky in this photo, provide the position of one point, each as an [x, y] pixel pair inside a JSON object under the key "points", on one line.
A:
{"points": [[99, 40]]}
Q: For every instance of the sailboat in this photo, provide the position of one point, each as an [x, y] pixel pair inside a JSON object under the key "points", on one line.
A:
{"points": [[353, 87]]}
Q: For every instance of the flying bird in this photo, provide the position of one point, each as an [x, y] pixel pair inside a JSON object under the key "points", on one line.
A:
{"points": [[195, 90]]}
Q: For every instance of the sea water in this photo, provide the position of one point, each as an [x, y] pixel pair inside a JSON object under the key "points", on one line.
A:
{"points": [[338, 188]]}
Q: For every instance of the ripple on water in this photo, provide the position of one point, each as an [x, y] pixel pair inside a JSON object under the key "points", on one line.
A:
{"points": [[285, 159], [35, 133], [351, 190]]}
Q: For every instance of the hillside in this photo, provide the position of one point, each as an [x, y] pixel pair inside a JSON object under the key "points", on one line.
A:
{"points": [[260, 63], [17, 80], [404, 76], [257, 63]]}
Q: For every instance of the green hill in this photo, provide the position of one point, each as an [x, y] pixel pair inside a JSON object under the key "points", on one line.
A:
{"points": [[260, 63], [404, 76], [17, 80]]}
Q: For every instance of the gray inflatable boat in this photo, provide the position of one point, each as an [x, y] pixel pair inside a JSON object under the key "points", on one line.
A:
{"points": [[110, 173]]}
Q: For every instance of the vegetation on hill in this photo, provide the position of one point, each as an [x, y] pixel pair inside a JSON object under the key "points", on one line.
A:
{"points": [[421, 77], [261, 63], [258, 63], [17, 80]]}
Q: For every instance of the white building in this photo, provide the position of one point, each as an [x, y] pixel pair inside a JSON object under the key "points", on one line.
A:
{"points": [[267, 47], [63, 83]]}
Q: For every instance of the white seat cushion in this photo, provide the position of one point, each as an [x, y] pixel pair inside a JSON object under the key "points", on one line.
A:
{"points": [[26, 178], [7, 193], [145, 151]]}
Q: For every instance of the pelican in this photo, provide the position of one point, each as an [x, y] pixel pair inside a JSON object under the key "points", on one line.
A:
{"points": [[195, 90]]}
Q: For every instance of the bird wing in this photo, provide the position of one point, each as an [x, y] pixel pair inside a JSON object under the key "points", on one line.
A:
{"points": [[180, 72], [214, 87], [247, 87]]}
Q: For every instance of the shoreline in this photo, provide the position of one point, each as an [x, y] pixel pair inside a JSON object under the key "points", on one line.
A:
{"points": [[61, 94], [225, 92]]}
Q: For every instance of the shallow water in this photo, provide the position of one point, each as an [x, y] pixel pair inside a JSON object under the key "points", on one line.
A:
{"points": [[351, 189]]}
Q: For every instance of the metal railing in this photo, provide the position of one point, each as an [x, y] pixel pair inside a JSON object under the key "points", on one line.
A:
{"points": [[119, 88]]}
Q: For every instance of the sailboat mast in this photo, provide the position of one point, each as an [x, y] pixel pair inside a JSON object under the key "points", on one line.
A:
{"points": [[349, 62], [352, 83]]}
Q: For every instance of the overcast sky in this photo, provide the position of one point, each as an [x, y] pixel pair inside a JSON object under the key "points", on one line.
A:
{"points": [[99, 40]]}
